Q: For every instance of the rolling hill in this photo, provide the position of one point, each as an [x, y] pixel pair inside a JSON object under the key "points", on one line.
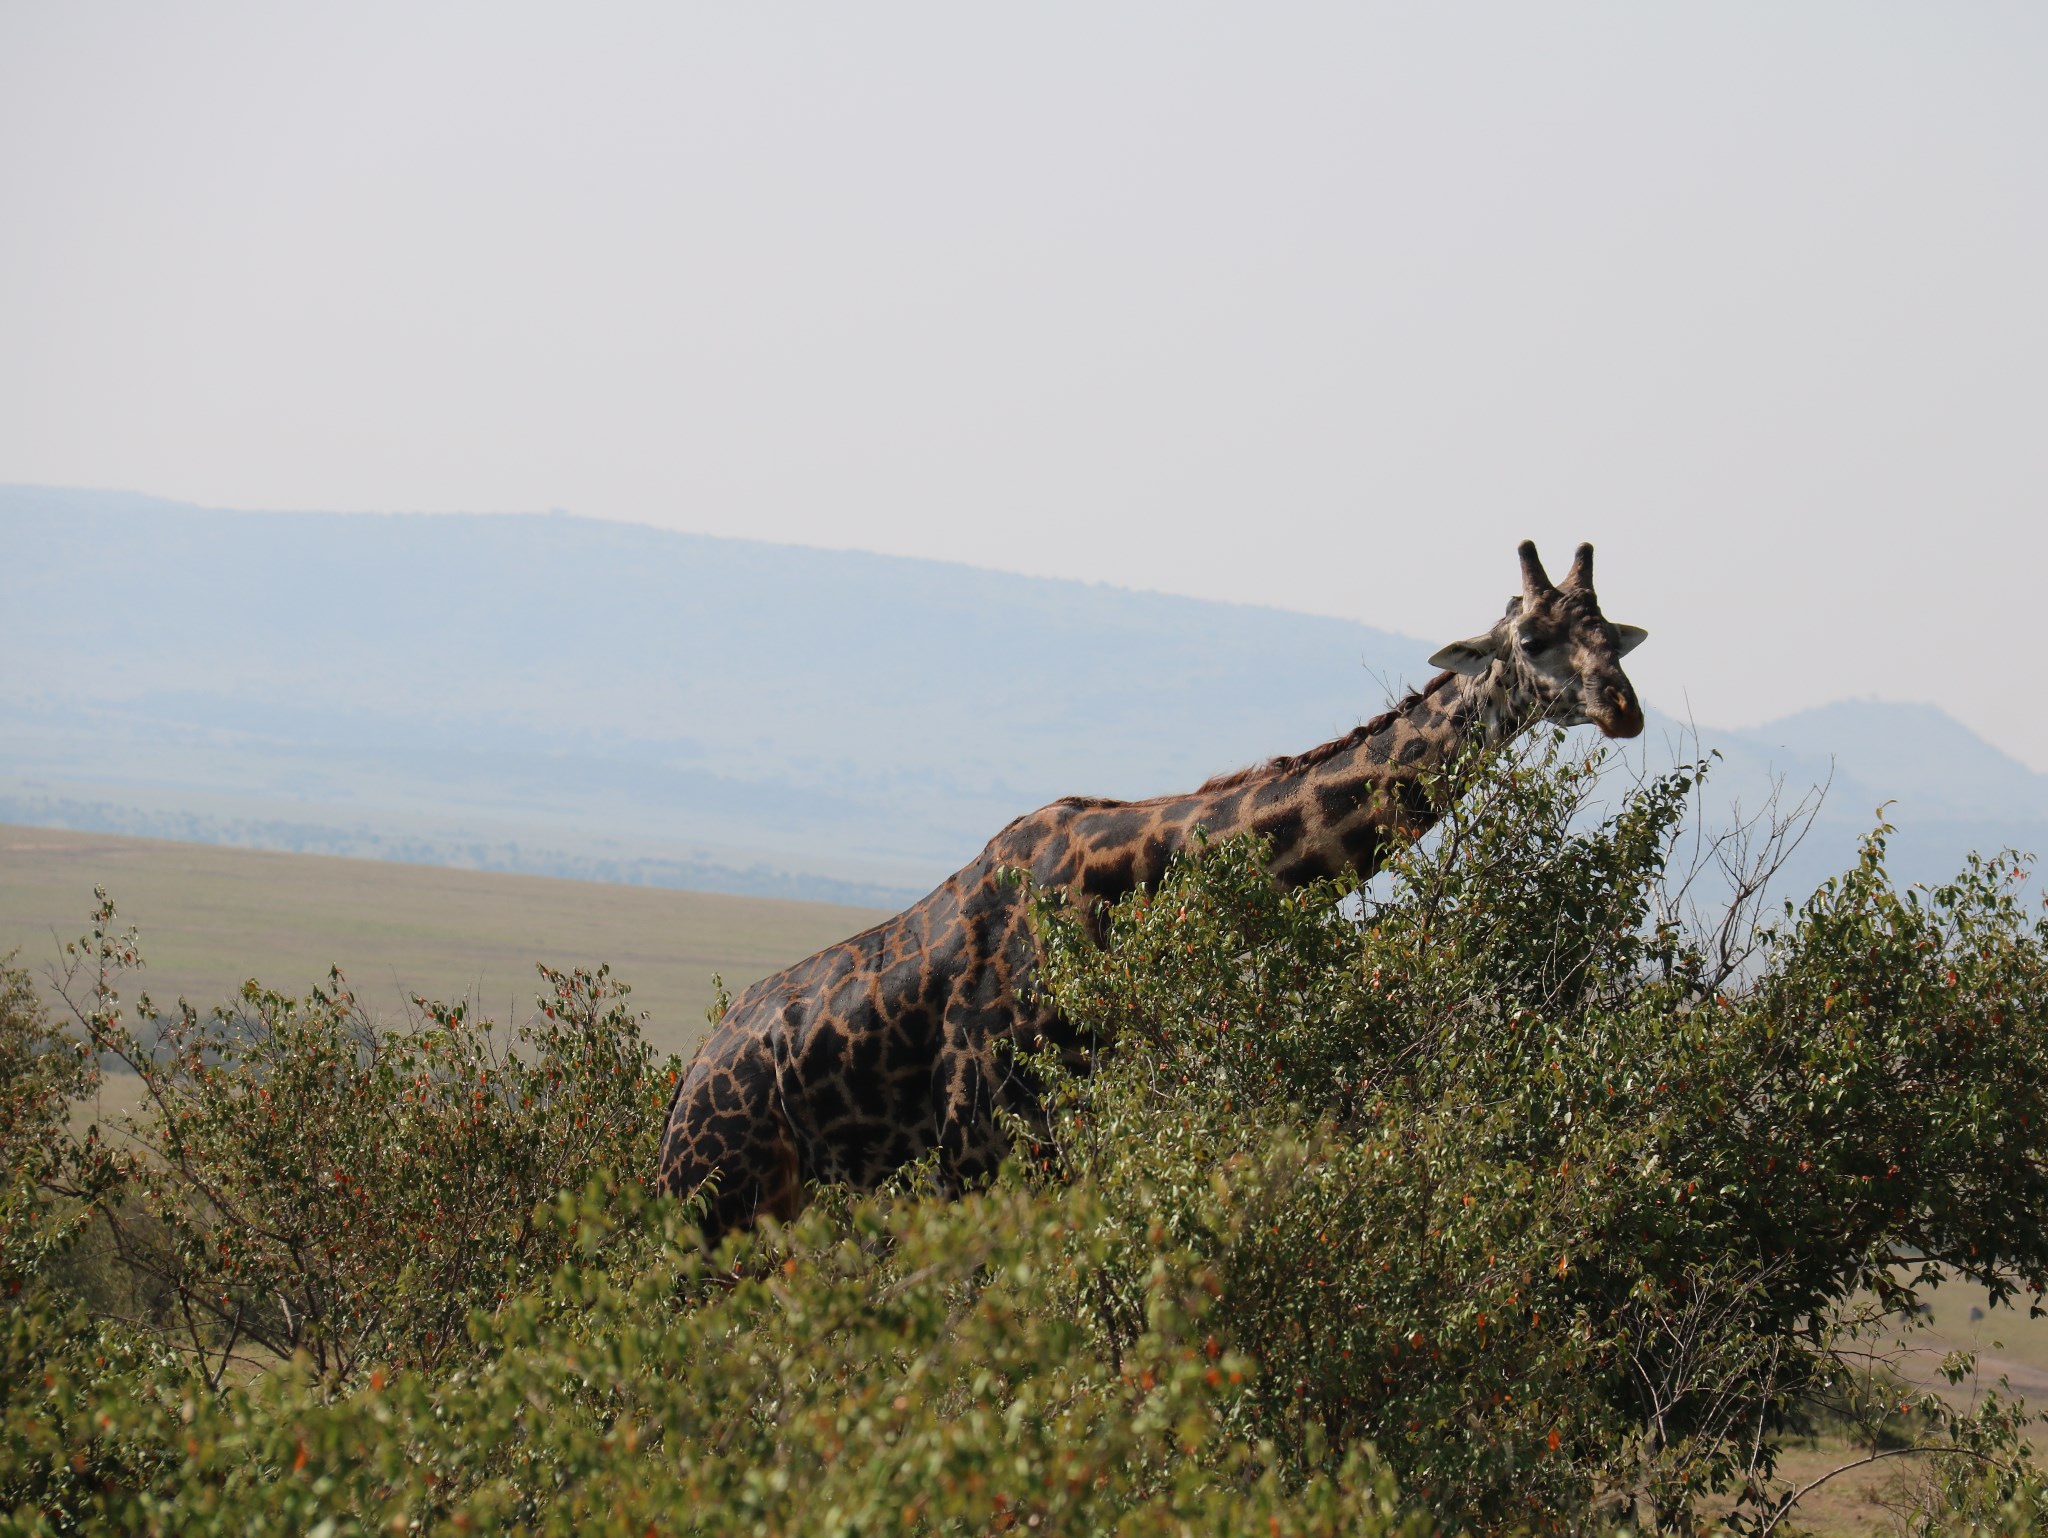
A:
{"points": [[557, 695]]}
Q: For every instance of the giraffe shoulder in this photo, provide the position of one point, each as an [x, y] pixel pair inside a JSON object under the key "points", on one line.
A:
{"points": [[1023, 836], [1045, 842]]}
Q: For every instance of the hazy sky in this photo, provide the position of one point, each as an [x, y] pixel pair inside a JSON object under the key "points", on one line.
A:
{"points": [[1313, 305]]}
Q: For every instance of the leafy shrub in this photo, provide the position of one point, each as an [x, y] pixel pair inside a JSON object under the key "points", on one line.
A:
{"points": [[1503, 1202], [47, 1204], [1493, 1179], [874, 1369], [41, 1074], [303, 1180]]}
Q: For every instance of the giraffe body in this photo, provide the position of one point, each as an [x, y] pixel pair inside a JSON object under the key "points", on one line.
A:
{"points": [[869, 1054]]}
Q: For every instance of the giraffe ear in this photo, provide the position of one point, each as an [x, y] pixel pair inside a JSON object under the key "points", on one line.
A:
{"points": [[1472, 658], [1628, 638]]}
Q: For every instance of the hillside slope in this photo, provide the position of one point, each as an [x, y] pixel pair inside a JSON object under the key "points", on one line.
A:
{"points": [[553, 694]]}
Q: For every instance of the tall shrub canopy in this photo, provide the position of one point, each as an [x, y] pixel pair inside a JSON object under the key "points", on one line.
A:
{"points": [[1495, 1198]]}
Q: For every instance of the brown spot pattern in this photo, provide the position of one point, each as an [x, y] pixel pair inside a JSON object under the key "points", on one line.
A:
{"points": [[902, 1039]]}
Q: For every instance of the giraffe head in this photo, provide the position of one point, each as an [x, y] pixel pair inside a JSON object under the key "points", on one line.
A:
{"points": [[1554, 654]]}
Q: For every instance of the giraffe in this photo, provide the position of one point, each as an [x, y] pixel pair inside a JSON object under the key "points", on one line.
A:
{"points": [[850, 1064]]}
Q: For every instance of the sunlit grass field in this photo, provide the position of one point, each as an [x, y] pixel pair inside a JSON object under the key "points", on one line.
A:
{"points": [[212, 917]]}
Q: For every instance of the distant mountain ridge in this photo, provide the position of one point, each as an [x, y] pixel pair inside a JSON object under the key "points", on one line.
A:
{"points": [[1915, 752], [575, 697]]}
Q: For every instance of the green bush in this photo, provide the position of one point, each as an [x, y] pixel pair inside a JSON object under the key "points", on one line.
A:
{"points": [[874, 1369], [47, 1334], [42, 1073], [304, 1181], [1505, 1180], [1503, 1202]]}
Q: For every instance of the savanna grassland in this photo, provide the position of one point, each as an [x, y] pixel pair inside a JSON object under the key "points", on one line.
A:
{"points": [[1530, 1191], [211, 918]]}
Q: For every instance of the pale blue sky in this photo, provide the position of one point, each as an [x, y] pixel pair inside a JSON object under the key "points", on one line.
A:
{"points": [[1315, 305]]}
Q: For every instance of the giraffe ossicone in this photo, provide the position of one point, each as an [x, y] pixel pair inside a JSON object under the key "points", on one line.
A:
{"points": [[852, 1063]]}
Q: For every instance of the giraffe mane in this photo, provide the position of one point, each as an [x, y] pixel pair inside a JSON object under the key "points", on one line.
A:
{"points": [[1328, 750]]}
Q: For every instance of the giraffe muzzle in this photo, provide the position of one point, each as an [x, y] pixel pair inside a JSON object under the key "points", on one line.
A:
{"points": [[1620, 716]]}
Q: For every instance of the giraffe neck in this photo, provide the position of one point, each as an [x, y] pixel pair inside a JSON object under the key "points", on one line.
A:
{"points": [[1338, 808]]}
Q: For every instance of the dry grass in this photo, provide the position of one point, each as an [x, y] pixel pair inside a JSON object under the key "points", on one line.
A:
{"points": [[1868, 1499], [1862, 1500], [2008, 1344], [212, 917]]}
